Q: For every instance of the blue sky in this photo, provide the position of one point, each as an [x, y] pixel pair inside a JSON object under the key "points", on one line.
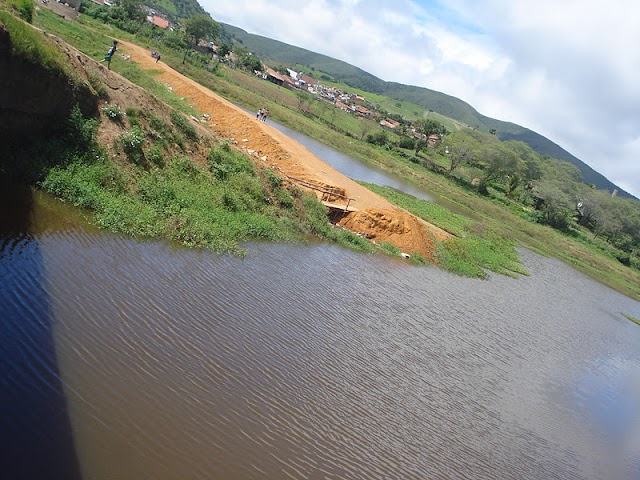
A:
{"points": [[567, 69]]}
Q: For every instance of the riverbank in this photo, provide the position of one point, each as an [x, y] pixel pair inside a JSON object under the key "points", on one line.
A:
{"points": [[375, 217]]}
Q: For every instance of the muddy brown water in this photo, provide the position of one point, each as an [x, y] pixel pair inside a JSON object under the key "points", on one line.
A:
{"points": [[123, 359]]}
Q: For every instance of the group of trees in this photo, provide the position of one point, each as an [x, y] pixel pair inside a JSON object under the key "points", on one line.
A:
{"points": [[550, 190], [544, 189]]}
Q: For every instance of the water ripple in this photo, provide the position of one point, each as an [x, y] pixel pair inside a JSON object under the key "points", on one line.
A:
{"points": [[307, 362]]}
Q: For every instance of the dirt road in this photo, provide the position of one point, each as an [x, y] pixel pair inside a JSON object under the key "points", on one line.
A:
{"points": [[376, 218]]}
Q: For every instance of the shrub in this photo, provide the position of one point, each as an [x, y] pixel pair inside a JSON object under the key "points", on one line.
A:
{"points": [[132, 140], [408, 143], [185, 166], [24, 8], [156, 156], [81, 131], [274, 180], [184, 125], [284, 198], [224, 162], [112, 111]]}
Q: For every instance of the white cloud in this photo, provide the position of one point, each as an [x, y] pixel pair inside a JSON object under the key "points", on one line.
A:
{"points": [[567, 70]]}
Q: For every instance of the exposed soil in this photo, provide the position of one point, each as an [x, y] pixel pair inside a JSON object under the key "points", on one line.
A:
{"points": [[376, 218]]}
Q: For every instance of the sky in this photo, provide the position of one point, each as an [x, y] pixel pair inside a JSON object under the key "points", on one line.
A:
{"points": [[567, 69]]}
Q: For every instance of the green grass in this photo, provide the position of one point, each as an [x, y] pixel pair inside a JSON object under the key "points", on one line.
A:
{"points": [[32, 46], [217, 206], [629, 317], [475, 249]]}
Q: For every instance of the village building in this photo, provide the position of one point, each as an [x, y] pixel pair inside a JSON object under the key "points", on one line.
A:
{"points": [[157, 21], [343, 106], [389, 124], [274, 77], [362, 111]]}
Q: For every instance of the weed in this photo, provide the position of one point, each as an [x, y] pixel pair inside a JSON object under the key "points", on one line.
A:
{"points": [[184, 125], [156, 155], [132, 140], [97, 84], [629, 317], [113, 112]]}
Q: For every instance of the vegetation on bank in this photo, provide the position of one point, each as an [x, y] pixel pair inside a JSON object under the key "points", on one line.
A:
{"points": [[476, 248], [147, 195], [633, 319], [149, 187]]}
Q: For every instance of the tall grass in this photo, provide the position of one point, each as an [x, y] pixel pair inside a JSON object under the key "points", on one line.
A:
{"points": [[32, 46]]}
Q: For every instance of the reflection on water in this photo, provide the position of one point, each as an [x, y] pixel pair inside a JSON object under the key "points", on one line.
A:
{"points": [[35, 433], [316, 362]]}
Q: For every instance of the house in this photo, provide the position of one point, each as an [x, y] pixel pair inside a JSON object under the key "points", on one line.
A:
{"points": [[343, 106], [362, 111], [307, 79], [273, 76], [389, 124], [157, 21]]}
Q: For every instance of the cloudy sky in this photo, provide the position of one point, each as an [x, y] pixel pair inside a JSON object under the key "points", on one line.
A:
{"points": [[568, 69]]}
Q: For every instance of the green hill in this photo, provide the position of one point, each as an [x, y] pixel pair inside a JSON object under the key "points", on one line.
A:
{"points": [[327, 68], [177, 10]]}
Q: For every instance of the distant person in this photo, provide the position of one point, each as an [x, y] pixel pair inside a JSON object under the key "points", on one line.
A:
{"points": [[157, 57], [260, 114], [265, 114], [110, 54]]}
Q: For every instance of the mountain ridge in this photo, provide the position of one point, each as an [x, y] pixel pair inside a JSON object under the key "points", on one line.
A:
{"points": [[447, 105]]}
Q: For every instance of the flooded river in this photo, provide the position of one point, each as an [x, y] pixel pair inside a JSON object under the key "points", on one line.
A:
{"points": [[139, 360]]}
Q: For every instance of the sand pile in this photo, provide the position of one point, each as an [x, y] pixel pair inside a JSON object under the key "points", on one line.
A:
{"points": [[399, 228]]}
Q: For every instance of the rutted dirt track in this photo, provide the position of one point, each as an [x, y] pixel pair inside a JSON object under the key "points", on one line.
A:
{"points": [[376, 218]]}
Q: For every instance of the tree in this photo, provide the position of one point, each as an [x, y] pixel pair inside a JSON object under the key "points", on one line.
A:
{"points": [[304, 100], [223, 50], [426, 128], [201, 26], [557, 206], [532, 160], [132, 9], [251, 62], [322, 107], [461, 147], [501, 162]]}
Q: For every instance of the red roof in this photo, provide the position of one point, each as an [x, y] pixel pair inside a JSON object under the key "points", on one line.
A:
{"points": [[160, 22]]}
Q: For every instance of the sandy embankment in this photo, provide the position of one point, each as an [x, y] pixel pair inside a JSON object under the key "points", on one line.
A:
{"points": [[376, 218]]}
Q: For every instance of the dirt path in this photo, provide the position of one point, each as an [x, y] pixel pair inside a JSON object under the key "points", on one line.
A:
{"points": [[377, 218]]}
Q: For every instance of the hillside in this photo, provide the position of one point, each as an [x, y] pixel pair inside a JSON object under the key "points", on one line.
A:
{"points": [[274, 51], [177, 9]]}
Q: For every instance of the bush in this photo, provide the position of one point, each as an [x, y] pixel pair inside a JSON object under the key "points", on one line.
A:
{"points": [[184, 125], [113, 112], [80, 131], [224, 162], [407, 143], [274, 180], [156, 156], [24, 8], [132, 140]]}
